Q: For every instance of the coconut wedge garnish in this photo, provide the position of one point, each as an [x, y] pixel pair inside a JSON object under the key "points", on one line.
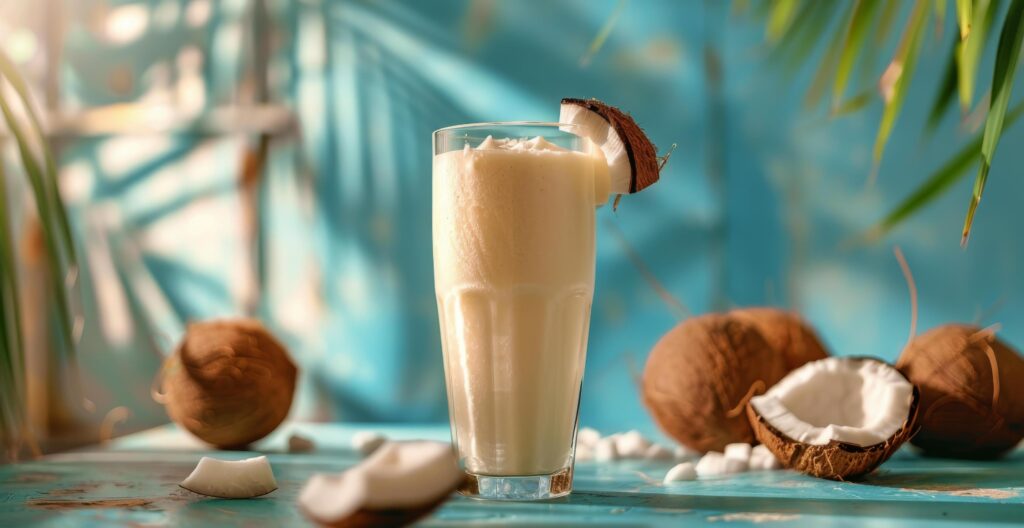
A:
{"points": [[633, 163], [836, 418], [398, 483], [231, 479]]}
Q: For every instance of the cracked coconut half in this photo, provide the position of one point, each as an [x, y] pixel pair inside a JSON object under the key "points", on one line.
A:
{"points": [[836, 418]]}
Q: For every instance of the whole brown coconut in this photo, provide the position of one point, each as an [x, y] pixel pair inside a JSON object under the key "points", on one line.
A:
{"points": [[230, 382], [699, 376], [786, 333], [972, 392]]}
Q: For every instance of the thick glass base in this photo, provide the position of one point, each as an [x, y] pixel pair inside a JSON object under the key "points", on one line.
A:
{"points": [[518, 488]]}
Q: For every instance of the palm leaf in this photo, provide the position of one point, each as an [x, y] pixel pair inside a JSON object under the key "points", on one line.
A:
{"points": [[963, 17], [947, 90], [9, 72], [1007, 54], [802, 39], [857, 28], [11, 349], [36, 178], [603, 34], [882, 28], [853, 104], [886, 20], [779, 18], [971, 48], [906, 61], [825, 69], [940, 16], [937, 183]]}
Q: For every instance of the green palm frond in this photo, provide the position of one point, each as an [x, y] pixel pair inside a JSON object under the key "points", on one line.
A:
{"points": [[1002, 85], [854, 32], [40, 171]]}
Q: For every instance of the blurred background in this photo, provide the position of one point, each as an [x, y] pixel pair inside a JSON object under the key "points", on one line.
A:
{"points": [[272, 158]]}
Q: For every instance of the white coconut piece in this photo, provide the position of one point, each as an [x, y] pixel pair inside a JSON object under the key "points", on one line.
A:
{"points": [[732, 466], [584, 453], [738, 451], [835, 399], [398, 476], [231, 479], [657, 452], [762, 459], [407, 474], [683, 453], [587, 436], [712, 464], [631, 444], [681, 472], [366, 442], [300, 444], [605, 450], [328, 498]]}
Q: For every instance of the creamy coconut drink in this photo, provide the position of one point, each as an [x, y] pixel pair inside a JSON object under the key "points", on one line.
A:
{"points": [[513, 239]]}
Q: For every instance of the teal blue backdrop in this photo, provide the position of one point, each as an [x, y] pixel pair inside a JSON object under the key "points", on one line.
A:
{"points": [[753, 208]]}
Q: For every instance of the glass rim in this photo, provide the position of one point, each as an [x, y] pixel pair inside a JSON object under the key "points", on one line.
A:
{"points": [[524, 124]]}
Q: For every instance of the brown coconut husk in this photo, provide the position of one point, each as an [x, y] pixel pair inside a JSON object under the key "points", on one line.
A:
{"points": [[700, 375], [835, 460], [230, 382], [786, 333], [972, 392]]}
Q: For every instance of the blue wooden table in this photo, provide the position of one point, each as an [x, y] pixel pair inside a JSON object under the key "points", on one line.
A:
{"points": [[133, 481]]}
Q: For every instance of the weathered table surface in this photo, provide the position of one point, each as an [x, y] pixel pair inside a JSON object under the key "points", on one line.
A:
{"points": [[133, 482]]}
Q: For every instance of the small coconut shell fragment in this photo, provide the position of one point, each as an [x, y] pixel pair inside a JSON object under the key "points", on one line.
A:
{"points": [[786, 333], [700, 374], [836, 460], [972, 392]]}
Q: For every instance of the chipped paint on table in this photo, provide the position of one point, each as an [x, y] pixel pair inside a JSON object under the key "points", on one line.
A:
{"points": [[134, 482]]}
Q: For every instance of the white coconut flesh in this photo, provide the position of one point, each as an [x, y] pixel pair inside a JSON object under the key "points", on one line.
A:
{"points": [[630, 162], [231, 479], [593, 126], [860, 401], [398, 475]]}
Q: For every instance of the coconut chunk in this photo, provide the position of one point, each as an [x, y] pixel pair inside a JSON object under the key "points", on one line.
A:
{"points": [[738, 451], [605, 450], [681, 472], [761, 459], [404, 474], [300, 444], [327, 497], [631, 157], [836, 417], [587, 436], [658, 452], [366, 442], [631, 444], [231, 479], [683, 453], [711, 464], [400, 481]]}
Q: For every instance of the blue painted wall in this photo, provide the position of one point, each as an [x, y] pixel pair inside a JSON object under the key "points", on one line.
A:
{"points": [[753, 208]]}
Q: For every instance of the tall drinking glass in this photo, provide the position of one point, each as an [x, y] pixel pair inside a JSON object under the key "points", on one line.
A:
{"points": [[513, 240]]}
